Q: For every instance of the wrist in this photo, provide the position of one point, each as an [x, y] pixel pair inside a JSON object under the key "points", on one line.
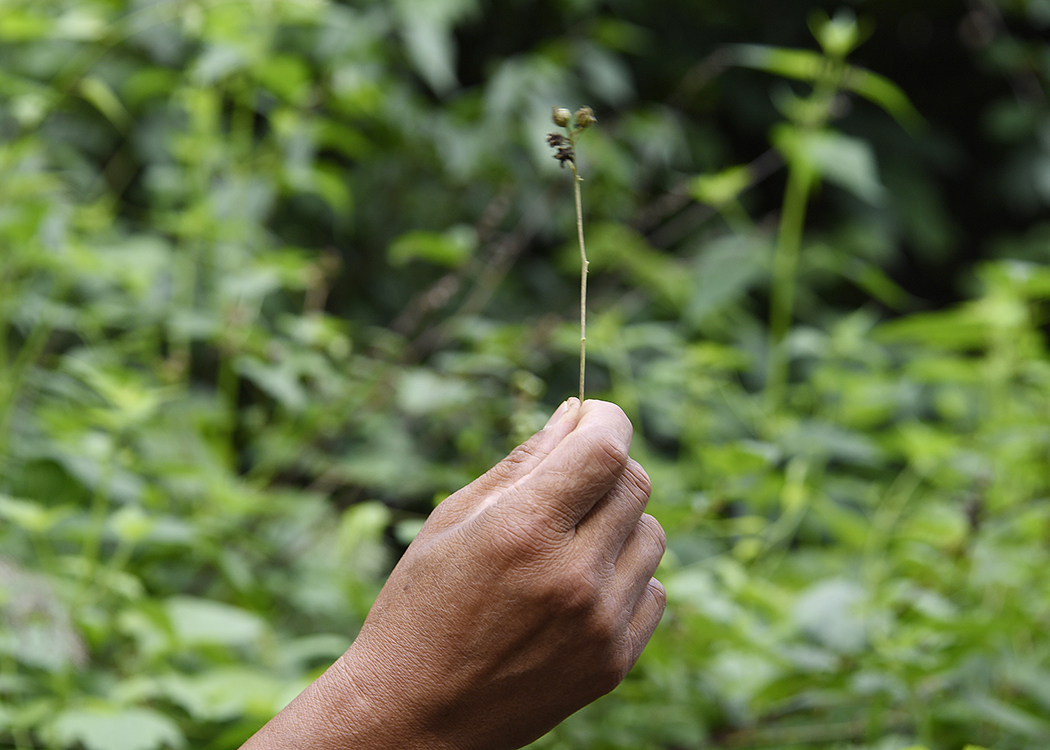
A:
{"points": [[371, 713], [331, 714]]}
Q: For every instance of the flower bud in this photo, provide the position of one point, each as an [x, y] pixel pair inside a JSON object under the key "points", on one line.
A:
{"points": [[585, 117], [561, 116]]}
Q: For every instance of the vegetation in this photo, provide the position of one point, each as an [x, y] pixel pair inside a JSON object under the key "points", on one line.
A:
{"points": [[276, 276]]}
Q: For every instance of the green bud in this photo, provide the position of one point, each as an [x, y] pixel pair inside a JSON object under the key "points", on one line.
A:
{"points": [[561, 116]]}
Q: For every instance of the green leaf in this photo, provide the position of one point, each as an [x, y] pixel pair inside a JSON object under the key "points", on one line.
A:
{"points": [[825, 440], [29, 515], [806, 65], [719, 188], [451, 248], [433, 53], [107, 728], [606, 75], [958, 329], [131, 524], [831, 612], [849, 162], [216, 62], [226, 693], [329, 183], [278, 380], [725, 270], [886, 94], [362, 524], [940, 525], [421, 392], [879, 285], [287, 76], [846, 161], [1006, 716], [612, 245], [19, 25], [426, 27], [201, 621], [803, 65], [98, 92], [837, 36]]}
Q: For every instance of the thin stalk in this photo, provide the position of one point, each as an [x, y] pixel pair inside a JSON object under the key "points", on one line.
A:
{"points": [[574, 124], [785, 264], [789, 236], [576, 180]]}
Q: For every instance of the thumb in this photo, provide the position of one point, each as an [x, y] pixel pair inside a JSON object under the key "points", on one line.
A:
{"points": [[473, 498]]}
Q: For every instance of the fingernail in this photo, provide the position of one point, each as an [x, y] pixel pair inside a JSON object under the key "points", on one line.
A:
{"points": [[570, 417]]}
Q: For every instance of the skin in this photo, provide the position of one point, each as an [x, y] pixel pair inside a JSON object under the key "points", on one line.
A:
{"points": [[527, 595]]}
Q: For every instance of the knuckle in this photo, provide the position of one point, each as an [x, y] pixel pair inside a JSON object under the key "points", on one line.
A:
{"points": [[653, 533], [659, 593], [607, 625], [633, 487], [578, 594], [522, 455], [574, 592], [522, 536], [638, 479], [610, 450]]}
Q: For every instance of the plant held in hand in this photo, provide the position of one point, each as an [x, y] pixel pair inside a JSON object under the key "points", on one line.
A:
{"points": [[565, 152]]}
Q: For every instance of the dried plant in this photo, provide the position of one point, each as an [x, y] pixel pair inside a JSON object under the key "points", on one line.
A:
{"points": [[565, 153]]}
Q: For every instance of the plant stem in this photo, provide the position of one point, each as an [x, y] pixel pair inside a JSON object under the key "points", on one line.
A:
{"points": [[785, 263], [566, 146], [576, 180]]}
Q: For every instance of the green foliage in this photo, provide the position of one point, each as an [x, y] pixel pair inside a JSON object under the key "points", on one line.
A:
{"points": [[275, 277]]}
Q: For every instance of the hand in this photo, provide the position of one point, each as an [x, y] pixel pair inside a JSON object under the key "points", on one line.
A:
{"points": [[527, 595]]}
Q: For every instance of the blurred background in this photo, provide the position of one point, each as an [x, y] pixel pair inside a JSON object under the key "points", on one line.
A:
{"points": [[277, 276]]}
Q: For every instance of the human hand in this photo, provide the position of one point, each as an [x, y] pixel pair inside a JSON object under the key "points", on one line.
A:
{"points": [[527, 595]]}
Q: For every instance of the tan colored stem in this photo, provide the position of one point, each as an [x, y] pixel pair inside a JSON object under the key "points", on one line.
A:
{"points": [[583, 278]]}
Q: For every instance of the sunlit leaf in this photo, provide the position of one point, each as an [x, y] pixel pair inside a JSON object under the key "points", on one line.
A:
{"points": [[116, 728], [99, 93], [31, 516], [804, 65], [201, 621], [721, 187], [451, 248], [888, 95]]}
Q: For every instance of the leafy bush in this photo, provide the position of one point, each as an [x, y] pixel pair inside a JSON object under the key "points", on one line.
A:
{"points": [[277, 277]]}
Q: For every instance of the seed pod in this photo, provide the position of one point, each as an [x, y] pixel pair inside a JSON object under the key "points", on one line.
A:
{"points": [[561, 116], [585, 117]]}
